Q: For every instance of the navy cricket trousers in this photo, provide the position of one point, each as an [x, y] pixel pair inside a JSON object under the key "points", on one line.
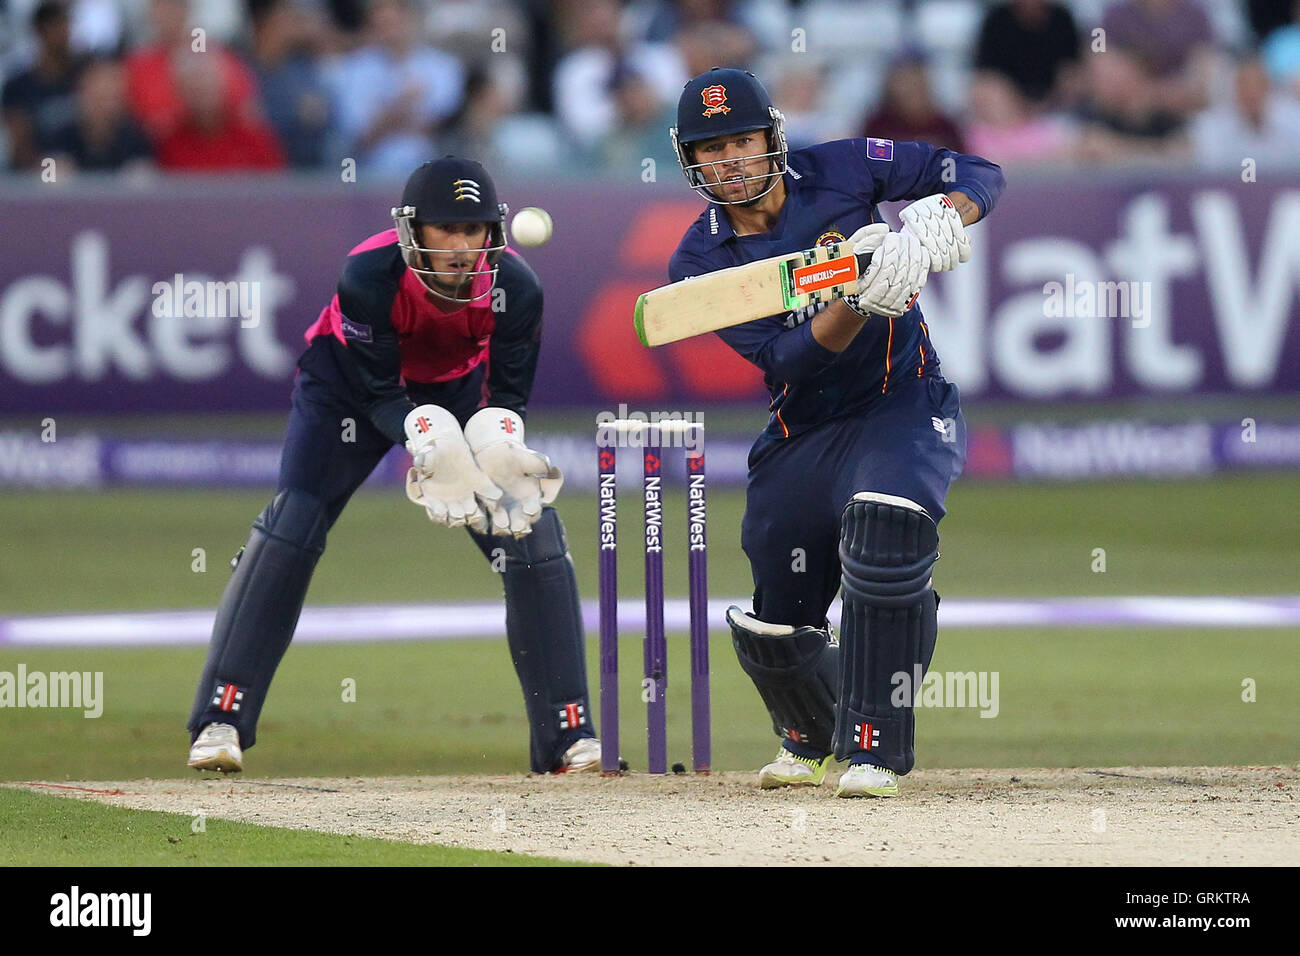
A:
{"points": [[912, 444]]}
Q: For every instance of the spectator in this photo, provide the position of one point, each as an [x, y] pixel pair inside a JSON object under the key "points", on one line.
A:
{"points": [[41, 101], [211, 135], [1033, 43], [1123, 119], [907, 110], [1267, 15], [103, 137], [152, 86], [479, 32], [671, 19], [640, 129], [292, 89], [1260, 123], [800, 88], [1281, 53], [584, 101], [1172, 41], [705, 45], [480, 130], [1003, 128], [395, 92]]}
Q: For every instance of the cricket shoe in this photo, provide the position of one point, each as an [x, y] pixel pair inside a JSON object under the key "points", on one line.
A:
{"points": [[867, 780], [217, 748], [582, 756], [791, 770]]}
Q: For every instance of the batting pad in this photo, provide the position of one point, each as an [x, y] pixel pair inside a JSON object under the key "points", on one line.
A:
{"points": [[795, 669], [887, 547]]}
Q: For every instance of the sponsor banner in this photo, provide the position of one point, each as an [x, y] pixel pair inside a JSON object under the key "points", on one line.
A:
{"points": [[1096, 450], [90, 461], [1112, 449], [1265, 445], [194, 297], [1123, 449]]}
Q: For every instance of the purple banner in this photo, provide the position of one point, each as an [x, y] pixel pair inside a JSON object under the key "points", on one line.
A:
{"points": [[1097, 450], [1077, 289]]}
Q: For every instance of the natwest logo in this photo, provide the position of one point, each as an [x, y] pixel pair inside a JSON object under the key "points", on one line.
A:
{"points": [[86, 328]]}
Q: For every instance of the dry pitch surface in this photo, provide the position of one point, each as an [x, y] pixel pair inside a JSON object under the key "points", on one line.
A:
{"points": [[1121, 816]]}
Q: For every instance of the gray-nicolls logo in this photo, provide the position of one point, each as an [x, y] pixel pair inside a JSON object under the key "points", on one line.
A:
{"points": [[75, 908]]}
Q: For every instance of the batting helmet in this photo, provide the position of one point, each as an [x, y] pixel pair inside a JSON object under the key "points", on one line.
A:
{"points": [[723, 102]]}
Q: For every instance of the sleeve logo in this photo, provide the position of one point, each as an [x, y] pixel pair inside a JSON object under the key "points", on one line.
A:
{"points": [[881, 149], [356, 331]]}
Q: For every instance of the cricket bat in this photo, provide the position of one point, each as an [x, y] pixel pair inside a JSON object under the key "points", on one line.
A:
{"points": [[742, 294]]}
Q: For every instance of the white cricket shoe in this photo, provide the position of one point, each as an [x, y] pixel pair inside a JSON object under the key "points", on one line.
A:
{"points": [[867, 780], [217, 748], [583, 756], [791, 770]]}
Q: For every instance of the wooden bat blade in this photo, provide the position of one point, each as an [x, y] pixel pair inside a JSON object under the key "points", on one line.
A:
{"points": [[756, 290]]}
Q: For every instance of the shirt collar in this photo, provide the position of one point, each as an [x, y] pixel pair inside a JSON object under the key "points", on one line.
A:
{"points": [[717, 228]]}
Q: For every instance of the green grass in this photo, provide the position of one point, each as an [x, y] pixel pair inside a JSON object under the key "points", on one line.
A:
{"points": [[1095, 697], [134, 549], [1068, 697], [41, 830]]}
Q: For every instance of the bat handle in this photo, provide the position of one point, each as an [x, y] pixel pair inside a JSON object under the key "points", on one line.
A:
{"points": [[864, 260]]}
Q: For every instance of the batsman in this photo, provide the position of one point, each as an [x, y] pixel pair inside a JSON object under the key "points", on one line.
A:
{"points": [[432, 342], [848, 480]]}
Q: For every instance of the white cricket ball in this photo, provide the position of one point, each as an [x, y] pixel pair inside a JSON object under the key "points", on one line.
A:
{"points": [[531, 226]]}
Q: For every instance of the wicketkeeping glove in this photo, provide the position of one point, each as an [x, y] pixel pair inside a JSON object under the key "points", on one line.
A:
{"points": [[935, 221], [529, 480], [899, 269], [444, 477]]}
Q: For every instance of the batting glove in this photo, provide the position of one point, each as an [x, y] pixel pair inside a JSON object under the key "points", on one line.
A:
{"points": [[529, 480], [935, 221], [899, 269], [444, 478]]}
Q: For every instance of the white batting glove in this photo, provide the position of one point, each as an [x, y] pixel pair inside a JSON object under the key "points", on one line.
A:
{"points": [[935, 221], [444, 478], [529, 480], [899, 269]]}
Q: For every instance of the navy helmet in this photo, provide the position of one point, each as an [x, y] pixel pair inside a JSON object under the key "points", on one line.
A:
{"points": [[450, 189], [724, 102]]}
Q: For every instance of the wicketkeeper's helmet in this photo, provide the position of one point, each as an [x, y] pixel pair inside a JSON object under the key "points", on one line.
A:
{"points": [[450, 189]]}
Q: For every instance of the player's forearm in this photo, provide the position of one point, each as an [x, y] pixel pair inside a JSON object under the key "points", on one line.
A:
{"points": [[967, 208], [835, 326], [977, 181]]}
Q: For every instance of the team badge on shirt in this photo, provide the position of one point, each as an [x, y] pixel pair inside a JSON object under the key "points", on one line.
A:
{"points": [[830, 238], [881, 149], [714, 96]]}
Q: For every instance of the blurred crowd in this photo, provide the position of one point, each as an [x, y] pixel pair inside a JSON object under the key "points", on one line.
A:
{"points": [[589, 87]]}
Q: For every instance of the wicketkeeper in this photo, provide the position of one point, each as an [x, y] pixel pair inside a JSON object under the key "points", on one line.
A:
{"points": [[415, 348]]}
